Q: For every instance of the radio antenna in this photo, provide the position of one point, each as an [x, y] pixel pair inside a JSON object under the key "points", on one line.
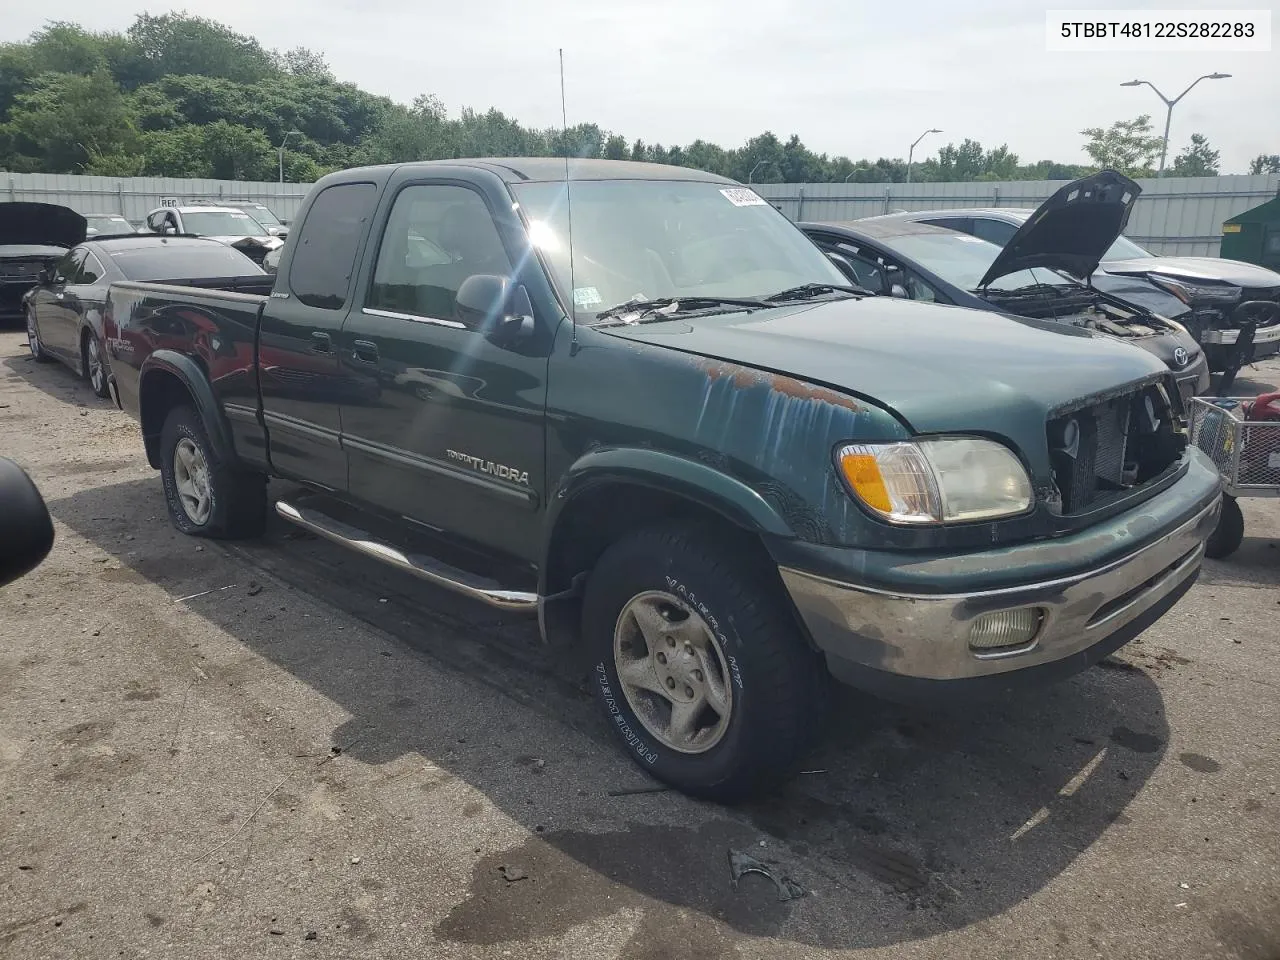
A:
{"points": [[568, 207]]}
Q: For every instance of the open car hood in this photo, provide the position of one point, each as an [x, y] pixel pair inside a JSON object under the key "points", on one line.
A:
{"points": [[40, 224], [1071, 230]]}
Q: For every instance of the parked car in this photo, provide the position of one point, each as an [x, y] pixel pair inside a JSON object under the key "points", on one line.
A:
{"points": [[715, 472], [222, 223], [107, 224], [64, 311], [1212, 288], [263, 214], [1043, 273], [33, 236]]}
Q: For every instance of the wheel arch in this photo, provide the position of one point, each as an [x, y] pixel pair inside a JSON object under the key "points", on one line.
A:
{"points": [[608, 494], [169, 379]]}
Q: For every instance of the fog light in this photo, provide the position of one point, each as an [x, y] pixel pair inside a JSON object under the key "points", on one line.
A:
{"points": [[1005, 628]]}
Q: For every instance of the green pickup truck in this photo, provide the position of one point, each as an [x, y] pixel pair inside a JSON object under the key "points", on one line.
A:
{"points": [[638, 403]]}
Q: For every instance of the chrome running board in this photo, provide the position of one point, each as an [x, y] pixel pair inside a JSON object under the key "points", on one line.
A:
{"points": [[425, 568]]}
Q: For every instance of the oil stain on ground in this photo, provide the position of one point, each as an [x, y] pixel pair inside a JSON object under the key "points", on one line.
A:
{"points": [[1135, 741], [677, 878]]}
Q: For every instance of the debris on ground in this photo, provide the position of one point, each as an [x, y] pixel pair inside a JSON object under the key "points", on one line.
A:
{"points": [[254, 588], [633, 791], [743, 863], [512, 874]]}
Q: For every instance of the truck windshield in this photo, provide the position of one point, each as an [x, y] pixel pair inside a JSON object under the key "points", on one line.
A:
{"points": [[222, 223], [652, 239]]}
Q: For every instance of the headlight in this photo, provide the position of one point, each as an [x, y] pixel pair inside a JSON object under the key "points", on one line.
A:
{"points": [[1198, 292], [947, 480]]}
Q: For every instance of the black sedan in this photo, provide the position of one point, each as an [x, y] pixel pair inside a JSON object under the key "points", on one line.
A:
{"points": [[64, 312], [1041, 274]]}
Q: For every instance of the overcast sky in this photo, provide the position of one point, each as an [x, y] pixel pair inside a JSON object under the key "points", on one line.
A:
{"points": [[860, 79]]}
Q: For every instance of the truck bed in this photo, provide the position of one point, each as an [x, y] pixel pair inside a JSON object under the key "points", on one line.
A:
{"points": [[257, 284]]}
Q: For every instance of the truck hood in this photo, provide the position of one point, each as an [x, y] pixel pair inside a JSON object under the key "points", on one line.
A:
{"points": [[1071, 230], [940, 368], [1197, 268], [40, 224]]}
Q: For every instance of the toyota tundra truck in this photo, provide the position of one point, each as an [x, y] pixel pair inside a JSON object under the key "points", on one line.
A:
{"points": [[636, 402]]}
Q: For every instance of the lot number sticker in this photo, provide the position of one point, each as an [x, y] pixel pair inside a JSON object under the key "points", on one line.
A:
{"points": [[742, 197]]}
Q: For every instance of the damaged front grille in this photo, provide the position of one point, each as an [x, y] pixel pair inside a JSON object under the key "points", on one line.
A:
{"points": [[1108, 446]]}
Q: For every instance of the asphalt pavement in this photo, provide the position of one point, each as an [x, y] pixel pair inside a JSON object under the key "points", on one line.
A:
{"points": [[280, 749]]}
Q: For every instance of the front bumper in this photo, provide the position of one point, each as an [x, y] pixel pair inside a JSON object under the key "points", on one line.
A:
{"points": [[1263, 335], [911, 644]]}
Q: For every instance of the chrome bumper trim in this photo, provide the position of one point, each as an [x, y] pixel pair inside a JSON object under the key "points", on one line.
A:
{"points": [[1269, 334], [926, 635]]}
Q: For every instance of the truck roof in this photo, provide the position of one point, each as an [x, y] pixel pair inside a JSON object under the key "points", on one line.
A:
{"points": [[520, 169]]}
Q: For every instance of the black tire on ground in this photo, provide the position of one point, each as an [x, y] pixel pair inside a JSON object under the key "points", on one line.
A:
{"points": [[88, 342], [38, 353], [778, 683], [237, 498], [1229, 533]]}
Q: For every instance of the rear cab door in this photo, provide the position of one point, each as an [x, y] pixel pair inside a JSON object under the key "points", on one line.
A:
{"points": [[302, 383], [451, 432]]}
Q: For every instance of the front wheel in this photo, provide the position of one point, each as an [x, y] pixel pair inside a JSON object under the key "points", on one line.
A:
{"points": [[1229, 533], [38, 352], [699, 667], [207, 497]]}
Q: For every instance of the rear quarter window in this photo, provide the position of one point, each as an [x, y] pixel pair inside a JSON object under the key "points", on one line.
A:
{"points": [[324, 257], [168, 261]]}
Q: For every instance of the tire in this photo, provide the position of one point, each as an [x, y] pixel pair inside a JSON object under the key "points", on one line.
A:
{"points": [[207, 496], [93, 365], [1228, 535], [763, 671], [38, 352]]}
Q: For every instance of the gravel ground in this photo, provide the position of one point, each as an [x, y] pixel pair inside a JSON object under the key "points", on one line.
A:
{"points": [[281, 749]]}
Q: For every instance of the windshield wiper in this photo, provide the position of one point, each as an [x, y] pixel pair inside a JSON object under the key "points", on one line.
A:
{"points": [[673, 306], [807, 291], [1030, 289]]}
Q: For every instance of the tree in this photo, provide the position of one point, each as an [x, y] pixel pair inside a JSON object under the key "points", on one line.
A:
{"points": [[236, 152], [178, 43], [1197, 159], [1127, 146], [1265, 163], [301, 62], [66, 121]]}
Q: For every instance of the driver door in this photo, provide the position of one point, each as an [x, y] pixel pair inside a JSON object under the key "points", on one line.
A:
{"points": [[55, 321], [452, 432]]}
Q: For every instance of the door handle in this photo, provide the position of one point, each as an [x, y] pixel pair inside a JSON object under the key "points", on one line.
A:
{"points": [[321, 342], [365, 350]]}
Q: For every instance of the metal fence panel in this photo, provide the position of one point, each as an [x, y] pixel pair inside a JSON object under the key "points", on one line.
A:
{"points": [[1175, 216], [135, 197]]}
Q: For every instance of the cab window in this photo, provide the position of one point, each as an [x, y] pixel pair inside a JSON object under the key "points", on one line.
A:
{"points": [[437, 236]]}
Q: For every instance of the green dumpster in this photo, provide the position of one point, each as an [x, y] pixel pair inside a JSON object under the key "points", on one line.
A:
{"points": [[1254, 236]]}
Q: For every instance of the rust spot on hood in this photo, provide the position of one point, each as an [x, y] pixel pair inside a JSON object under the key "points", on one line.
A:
{"points": [[747, 377]]}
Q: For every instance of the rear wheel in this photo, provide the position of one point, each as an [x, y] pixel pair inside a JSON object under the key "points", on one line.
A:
{"points": [[38, 353], [698, 664], [1229, 533], [92, 366], [207, 497]]}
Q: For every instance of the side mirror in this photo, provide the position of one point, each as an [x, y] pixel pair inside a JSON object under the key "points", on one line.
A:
{"points": [[896, 282], [844, 267], [26, 529], [495, 307]]}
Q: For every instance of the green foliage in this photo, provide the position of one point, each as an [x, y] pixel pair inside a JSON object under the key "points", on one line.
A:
{"points": [[1197, 159], [1127, 146], [1265, 163], [185, 96]]}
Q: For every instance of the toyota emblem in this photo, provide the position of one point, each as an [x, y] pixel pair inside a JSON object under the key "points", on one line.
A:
{"points": [[1180, 356]]}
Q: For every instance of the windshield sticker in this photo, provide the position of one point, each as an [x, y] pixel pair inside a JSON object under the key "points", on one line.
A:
{"points": [[239, 216], [586, 296], [742, 197], [968, 239]]}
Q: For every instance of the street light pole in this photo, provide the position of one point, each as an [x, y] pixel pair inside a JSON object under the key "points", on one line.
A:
{"points": [[1169, 105], [759, 164], [912, 151], [280, 150]]}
